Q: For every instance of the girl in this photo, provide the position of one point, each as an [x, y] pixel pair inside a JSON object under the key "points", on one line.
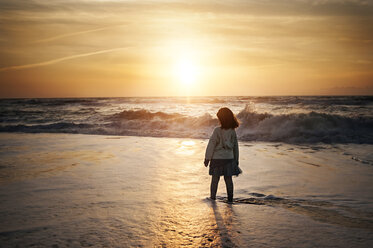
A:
{"points": [[222, 152]]}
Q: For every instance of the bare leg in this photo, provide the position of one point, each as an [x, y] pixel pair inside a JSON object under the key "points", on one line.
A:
{"points": [[214, 186], [229, 185]]}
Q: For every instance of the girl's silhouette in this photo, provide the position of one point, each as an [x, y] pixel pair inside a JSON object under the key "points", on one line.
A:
{"points": [[222, 152]]}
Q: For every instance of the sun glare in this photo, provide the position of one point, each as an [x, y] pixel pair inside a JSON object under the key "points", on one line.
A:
{"points": [[186, 71]]}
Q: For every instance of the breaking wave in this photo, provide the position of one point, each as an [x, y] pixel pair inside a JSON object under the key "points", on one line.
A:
{"points": [[310, 127], [305, 127]]}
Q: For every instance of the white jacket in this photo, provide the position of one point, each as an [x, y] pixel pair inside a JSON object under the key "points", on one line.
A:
{"points": [[223, 144]]}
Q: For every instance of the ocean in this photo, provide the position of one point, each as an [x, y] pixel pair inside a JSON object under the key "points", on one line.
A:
{"points": [[290, 119]]}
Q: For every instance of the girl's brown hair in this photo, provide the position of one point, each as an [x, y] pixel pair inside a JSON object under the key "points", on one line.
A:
{"points": [[227, 118]]}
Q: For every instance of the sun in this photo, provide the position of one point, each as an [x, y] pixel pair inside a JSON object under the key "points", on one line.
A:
{"points": [[186, 71]]}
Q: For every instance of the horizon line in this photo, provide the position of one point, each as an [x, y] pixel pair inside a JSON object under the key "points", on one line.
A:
{"points": [[170, 96]]}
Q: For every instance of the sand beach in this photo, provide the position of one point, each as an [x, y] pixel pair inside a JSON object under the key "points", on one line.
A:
{"points": [[74, 190]]}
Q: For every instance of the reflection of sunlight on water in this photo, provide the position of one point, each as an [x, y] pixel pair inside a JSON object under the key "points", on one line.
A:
{"points": [[186, 147], [188, 143], [183, 215], [195, 224]]}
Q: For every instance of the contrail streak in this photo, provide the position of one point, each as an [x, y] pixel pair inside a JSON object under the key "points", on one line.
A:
{"points": [[54, 61], [75, 33]]}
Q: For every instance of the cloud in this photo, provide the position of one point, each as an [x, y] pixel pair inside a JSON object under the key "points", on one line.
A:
{"points": [[251, 7], [57, 37], [54, 61]]}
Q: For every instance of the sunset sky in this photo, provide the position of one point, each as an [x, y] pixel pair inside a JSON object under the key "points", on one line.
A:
{"points": [[97, 48]]}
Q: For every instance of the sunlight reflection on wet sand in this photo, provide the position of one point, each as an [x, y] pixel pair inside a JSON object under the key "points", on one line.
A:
{"points": [[188, 217], [85, 190], [186, 147], [183, 219]]}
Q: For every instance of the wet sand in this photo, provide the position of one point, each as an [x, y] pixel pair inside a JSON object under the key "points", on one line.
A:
{"points": [[70, 190]]}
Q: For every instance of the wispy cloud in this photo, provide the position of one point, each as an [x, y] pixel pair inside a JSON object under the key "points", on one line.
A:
{"points": [[57, 37], [54, 61]]}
